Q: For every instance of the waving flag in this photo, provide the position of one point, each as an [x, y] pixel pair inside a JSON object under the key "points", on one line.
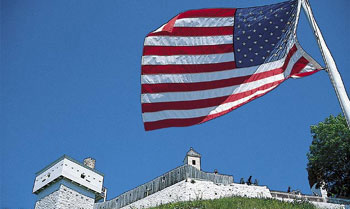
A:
{"points": [[205, 63]]}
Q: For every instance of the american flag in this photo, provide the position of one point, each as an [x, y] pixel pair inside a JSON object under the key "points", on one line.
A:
{"points": [[205, 63]]}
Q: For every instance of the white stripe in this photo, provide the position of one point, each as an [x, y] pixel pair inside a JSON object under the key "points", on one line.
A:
{"points": [[205, 22], [197, 77], [159, 29], [187, 59], [193, 113], [187, 41], [296, 56], [308, 68], [206, 94], [211, 76]]}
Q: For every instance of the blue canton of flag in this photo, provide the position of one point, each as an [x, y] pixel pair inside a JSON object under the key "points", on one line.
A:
{"points": [[262, 33]]}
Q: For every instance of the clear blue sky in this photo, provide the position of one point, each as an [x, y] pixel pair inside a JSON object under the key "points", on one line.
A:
{"points": [[70, 84]]}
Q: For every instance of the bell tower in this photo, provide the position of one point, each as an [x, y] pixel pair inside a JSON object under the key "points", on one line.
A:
{"points": [[67, 183], [193, 158]]}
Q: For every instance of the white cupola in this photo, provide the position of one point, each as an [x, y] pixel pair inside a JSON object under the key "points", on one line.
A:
{"points": [[193, 158]]}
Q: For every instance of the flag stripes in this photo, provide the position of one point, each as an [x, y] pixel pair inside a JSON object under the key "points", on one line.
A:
{"points": [[187, 50], [188, 40], [189, 72], [195, 31]]}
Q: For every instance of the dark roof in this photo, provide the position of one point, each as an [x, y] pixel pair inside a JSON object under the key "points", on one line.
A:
{"points": [[193, 153]]}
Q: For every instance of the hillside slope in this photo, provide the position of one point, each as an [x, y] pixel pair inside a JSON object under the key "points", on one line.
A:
{"points": [[238, 203]]}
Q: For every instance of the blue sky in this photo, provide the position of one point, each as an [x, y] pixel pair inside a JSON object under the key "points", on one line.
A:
{"points": [[70, 84]]}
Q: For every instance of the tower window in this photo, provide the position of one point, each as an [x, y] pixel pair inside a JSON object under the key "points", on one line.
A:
{"points": [[193, 162]]}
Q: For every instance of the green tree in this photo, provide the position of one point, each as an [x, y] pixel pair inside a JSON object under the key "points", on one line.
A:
{"points": [[329, 156]]}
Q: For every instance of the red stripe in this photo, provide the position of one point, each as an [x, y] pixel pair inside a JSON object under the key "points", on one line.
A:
{"points": [[183, 87], [170, 25], [203, 103], [195, 31], [187, 50], [307, 73], [220, 12], [199, 13], [179, 69], [192, 121], [298, 66]]}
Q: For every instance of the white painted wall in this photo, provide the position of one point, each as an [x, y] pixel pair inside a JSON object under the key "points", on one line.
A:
{"points": [[196, 159], [72, 171]]}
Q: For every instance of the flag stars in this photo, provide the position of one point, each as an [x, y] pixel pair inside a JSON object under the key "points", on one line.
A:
{"points": [[260, 34]]}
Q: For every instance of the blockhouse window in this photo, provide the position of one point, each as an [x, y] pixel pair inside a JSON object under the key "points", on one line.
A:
{"points": [[193, 162], [82, 175]]}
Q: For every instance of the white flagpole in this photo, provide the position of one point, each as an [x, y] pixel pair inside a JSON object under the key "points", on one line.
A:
{"points": [[331, 67]]}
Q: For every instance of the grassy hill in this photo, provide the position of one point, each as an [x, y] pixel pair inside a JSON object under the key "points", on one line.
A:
{"points": [[237, 203]]}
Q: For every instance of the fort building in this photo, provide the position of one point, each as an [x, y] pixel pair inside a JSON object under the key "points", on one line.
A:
{"points": [[70, 184]]}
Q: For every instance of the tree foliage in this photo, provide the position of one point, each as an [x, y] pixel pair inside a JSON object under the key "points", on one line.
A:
{"points": [[329, 156]]}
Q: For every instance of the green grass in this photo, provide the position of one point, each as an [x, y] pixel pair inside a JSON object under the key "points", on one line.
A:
{"points": [[238, 203]]}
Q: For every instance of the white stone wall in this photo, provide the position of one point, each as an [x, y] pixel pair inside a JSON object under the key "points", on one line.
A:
{"points": [[65, 198], [186, 191], [198, 189], [48, 202]]}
